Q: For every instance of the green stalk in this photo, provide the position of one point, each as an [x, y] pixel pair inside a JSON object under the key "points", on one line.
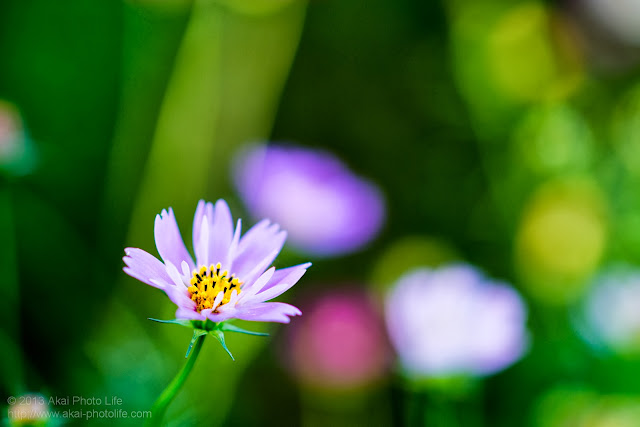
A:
{"points": [[177, 169], [160, 406], [12, 368]]}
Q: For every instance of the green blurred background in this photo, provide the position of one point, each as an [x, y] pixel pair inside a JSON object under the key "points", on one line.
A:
{"points": [[502, 133]]}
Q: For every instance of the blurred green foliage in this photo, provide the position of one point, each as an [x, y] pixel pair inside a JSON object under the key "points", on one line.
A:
{"points": [[491, 126]]}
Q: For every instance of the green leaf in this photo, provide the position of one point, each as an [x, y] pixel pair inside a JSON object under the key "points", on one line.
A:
{"points": [[233, 328], [220, 337], [197, 333]]}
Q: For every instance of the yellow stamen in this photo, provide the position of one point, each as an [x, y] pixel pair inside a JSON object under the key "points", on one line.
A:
{"points": [[207, 283]]}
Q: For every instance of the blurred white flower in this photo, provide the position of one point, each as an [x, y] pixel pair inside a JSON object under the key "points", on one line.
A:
{"points": [[453, 321], [612, 310], [619, 17]]}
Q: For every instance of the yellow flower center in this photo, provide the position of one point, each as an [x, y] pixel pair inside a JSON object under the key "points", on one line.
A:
{"points": [[207, 283]]}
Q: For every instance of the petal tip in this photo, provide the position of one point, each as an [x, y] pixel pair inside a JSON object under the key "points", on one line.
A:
{"points": [[221, 203]]}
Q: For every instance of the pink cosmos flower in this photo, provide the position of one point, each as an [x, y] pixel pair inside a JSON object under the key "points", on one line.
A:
{"points": [[358, 354], [229, 278]]}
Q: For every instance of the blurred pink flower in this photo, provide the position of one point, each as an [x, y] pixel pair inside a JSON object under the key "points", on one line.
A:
{"points": [[17, 153], [453, 321], [340, 343], [326, 208], [206, 289]]}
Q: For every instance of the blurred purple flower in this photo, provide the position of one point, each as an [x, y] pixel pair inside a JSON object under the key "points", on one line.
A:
{"points": [[340, 344], [452, 321], [205, 289], [325, 207]]}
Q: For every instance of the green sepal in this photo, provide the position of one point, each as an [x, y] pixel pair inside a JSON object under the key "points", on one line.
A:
{"points": [[197, 333], [182, 322], [216, 329], [233, 328], [219, 335]]}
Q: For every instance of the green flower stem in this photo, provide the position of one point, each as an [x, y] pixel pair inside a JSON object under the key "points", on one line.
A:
{"points": [[162, 403], [12, 370]]}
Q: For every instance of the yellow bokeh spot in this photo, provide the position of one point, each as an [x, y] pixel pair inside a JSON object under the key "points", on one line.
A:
{"points": [[561, 239], [533, 54]]}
